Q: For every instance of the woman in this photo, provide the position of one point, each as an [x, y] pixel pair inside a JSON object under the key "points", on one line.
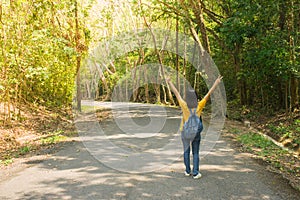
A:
{"points": [[193, 104]]}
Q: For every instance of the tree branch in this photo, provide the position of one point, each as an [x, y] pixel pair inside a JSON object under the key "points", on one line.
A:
{"points": [[213, 16]]}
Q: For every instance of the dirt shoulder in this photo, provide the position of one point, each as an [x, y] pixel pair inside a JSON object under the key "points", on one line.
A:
{"points": [[34, 131], [276, 159]]}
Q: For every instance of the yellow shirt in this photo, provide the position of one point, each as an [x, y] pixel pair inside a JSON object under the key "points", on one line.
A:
{"points": [[186, 110]]}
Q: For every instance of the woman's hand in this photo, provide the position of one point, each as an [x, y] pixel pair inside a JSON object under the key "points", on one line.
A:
{"points": [[168, 79], [218, 80], [216, 83]]}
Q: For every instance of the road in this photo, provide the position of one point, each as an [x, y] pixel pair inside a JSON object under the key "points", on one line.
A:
{"points": [[125, 162]]}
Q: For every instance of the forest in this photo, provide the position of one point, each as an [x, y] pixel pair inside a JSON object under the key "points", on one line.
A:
{"points": [[255, 45], [47, 45]]}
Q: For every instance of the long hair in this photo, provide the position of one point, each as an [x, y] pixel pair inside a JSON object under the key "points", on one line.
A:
{"points": [[191, 98]]}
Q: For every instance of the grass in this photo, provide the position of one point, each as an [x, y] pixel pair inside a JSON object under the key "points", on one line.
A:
{"points": [[279, 160], [36, 129], [290, 131], [50, 139], [53, 138], [235, 131], [6, 162], [86, 108], [266, 150], [281, 126], [255, 140], [25, 149]]}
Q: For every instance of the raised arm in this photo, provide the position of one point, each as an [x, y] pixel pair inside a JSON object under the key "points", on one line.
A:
{"points": [[174, 90], [216, 83]]}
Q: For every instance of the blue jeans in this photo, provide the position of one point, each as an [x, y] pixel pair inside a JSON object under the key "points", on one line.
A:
{"points": [[195, 151]]}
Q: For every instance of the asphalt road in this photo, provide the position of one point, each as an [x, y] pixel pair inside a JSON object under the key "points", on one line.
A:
{"points": [[137, 159]]}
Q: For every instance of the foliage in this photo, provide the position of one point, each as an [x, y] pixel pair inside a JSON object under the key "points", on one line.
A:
{"points": [[41, 129], [255, 140], [289, 134], [38, 62], [254, 43], [262, 37], [282, 160], [56, 138]]}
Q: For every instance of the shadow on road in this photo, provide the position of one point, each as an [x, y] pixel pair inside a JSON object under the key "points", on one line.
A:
{"points": [[73, 173], [76, 173]]}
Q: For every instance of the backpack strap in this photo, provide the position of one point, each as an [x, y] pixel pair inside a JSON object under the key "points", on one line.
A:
{"points": [[192, 112]]}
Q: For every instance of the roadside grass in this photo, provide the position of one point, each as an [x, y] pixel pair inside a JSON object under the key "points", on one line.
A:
{"points": [[280, 160], [47, 141], [6, 162], [288, 134], [41, 130], [87, 108], [54, 138], [38, 129], [281, 126]]}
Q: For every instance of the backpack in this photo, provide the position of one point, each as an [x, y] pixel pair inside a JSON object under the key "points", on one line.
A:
{"points": [[192, 126]]}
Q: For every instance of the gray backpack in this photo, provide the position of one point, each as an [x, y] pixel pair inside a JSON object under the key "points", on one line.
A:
{"points": [[192, 126]]}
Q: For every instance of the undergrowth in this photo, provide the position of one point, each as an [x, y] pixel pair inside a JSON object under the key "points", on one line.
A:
{"points": [[281, 160]]}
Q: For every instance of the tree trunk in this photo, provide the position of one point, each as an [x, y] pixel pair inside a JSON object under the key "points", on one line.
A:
{"points": [[126, 85], [240, 82], [88, 89], [103, 79], [97, 89], [294, 93], [177, 56], [146, 84], [287, 97], [161, 73], [198, 11], [184, 68], [78, 58], [294, 81], [78, 94], [134, 82]]}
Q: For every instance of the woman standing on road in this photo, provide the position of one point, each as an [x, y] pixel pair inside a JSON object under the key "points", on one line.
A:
{"points": [[192, 103]]}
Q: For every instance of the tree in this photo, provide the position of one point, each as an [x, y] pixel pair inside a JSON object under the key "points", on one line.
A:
{"points": [[38, 62]]}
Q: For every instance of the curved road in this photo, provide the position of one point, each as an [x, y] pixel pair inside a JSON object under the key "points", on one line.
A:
{"points": [[125, 160]]}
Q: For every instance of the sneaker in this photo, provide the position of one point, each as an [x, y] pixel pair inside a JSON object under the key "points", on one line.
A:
{"points": [[197, 176], [186, 174]]}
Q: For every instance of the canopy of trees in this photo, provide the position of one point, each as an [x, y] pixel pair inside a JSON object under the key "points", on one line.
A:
{"points": [[254, 43], [40, 43]]}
